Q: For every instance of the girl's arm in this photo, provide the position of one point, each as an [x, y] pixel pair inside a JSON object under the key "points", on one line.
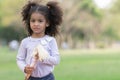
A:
{"points": [[21, 56], [54, 57]]}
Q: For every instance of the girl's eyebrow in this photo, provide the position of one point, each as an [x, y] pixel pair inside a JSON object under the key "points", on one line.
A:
{"points": [[37, 19], [34, 18]]}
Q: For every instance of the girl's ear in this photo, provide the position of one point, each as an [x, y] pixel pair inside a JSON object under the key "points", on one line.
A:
{"points": [[47, 25]]}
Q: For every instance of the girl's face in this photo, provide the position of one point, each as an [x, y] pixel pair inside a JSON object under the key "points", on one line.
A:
{"points": [[38, 23]]}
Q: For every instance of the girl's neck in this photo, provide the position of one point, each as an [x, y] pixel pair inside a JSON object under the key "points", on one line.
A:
{"points": [[37, 35]]}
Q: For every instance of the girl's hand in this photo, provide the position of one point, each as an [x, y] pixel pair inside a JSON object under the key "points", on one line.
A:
{"points": [[36, 56], [28, 69]]}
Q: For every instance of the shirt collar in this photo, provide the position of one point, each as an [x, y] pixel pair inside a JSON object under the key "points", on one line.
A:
{"points": [[44, 40]]}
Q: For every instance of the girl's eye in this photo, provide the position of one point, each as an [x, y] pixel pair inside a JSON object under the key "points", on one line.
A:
{"points": [[40, 20], [32, 20]]}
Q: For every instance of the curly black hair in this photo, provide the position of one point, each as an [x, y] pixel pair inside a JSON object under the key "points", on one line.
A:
{"points": [[51, 11]]}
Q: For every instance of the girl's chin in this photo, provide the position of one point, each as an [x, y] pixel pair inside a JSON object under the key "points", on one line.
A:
{"points": [[37, 32]]}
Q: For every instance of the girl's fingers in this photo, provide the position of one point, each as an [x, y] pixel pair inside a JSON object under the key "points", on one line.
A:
{"points": [[29, 69]]}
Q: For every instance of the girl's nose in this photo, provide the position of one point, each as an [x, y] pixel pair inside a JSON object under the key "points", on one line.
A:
{"points": [[36, 23]]}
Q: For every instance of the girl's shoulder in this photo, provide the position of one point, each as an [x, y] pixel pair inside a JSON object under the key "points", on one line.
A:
{"points": [[49, 38], [25, 40]]}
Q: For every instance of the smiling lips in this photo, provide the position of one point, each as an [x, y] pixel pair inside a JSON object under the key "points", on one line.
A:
{"points": [[36, 29]]}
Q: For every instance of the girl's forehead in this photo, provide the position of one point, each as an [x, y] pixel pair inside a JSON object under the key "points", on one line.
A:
{"points": [[37, 15]]}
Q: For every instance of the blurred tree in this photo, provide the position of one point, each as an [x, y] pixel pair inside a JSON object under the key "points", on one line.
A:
{"points": [[115, 7], [83, 16], [0, 14], [10, 20], [111, 22], [12, 33], [83, 21], [10, 11]]}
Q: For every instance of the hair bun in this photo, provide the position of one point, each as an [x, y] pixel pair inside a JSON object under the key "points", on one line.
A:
{"points": [[52, 4]]}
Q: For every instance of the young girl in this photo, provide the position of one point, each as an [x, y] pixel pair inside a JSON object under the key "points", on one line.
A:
{"points": [[42, 23]]}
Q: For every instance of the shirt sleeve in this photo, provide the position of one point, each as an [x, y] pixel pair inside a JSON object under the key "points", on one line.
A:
{"points": [[21, 56], [54, 57]]}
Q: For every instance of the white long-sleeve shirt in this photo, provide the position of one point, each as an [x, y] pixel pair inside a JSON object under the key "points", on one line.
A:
{"points": [[42, 68]]}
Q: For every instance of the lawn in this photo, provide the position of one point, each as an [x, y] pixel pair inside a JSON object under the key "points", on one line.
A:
{"points": [[74, 65]]}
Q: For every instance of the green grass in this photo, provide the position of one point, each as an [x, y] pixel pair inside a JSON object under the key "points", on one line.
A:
{"points": [[8, 67], [74, 65]]}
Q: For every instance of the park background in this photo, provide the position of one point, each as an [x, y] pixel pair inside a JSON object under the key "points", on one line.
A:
{"points": [[89, 42]]}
